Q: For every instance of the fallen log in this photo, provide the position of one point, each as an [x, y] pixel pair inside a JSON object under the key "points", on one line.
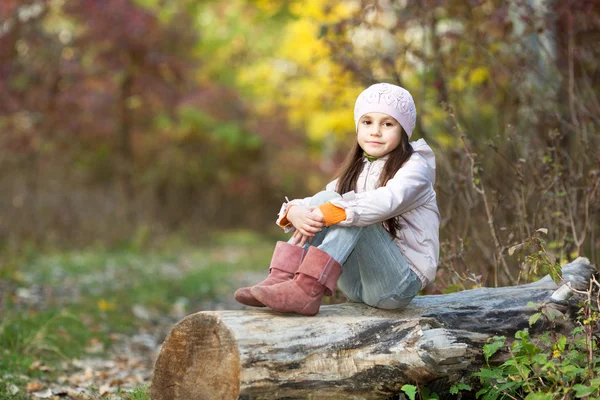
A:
{"points": [[350, 350]]}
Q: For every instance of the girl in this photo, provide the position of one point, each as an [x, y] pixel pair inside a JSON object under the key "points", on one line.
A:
{"points": [[373, 231]]}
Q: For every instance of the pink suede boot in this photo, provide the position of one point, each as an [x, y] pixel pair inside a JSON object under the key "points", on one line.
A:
{"points": [[284, 263], [315, 278]]}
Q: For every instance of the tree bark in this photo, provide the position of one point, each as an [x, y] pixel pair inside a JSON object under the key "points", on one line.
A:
{"points": [[349, 350]]}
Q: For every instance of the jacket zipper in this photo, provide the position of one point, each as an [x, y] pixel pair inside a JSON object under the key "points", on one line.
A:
{"points": [[367, 176]]}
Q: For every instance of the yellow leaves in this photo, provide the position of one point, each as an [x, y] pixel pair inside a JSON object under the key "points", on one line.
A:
{"points": [[269, 7], [301, 43], [324, 11], [458, 83], [343, 10], [324, 123], [465, 77], [478, 75], [301, 40], [104, 305], [323, 102], [263, 79], [574, 254], [300, 73]]}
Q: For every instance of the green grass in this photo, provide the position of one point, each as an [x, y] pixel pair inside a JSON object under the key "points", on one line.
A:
{"points": [[91, 293]]}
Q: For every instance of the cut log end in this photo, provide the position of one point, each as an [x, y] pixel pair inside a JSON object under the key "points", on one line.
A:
{"points": [[199, 360]]}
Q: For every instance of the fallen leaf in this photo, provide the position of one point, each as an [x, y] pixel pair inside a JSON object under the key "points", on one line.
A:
{"points": [[106, 390], [34, 386], [94, 346], [116, 382], [141, 312], [44, 394], [35, 365], [12, 389]]}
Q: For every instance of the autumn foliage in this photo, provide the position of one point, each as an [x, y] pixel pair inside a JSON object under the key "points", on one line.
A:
{"points": [[122, 116]]}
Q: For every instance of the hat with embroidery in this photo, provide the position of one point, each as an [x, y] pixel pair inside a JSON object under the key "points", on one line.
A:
{"points": [[388, 99]]}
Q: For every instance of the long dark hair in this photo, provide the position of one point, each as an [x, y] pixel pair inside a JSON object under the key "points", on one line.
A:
{"points": [[348, 175]]}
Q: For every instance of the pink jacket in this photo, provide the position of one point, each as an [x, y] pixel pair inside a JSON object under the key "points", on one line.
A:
{"points": [[409, 195]]}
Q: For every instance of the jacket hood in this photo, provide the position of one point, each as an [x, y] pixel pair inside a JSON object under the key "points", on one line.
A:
{"points": [[422, 148]]}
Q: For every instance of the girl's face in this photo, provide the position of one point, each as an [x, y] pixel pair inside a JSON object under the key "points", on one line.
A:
{"points": [[378, 134]]}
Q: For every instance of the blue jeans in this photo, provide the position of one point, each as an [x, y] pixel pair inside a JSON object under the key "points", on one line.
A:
{"points": [[374, 271]]}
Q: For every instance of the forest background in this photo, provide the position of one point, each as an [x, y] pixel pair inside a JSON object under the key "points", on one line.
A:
{"points": [[147, 118], [161, 124]]}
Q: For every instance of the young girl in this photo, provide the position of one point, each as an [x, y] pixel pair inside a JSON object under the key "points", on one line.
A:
{"points": [[373, 231]]}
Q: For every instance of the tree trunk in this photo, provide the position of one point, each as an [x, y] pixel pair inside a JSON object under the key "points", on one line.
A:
{"points": [[348, 351]]}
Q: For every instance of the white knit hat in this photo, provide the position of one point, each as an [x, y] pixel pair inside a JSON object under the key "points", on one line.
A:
{"points": [[388, 99]]}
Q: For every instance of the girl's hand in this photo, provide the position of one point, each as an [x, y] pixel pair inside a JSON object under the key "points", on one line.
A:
{"points": [[300, 240], [317, 211], [307, 221]]}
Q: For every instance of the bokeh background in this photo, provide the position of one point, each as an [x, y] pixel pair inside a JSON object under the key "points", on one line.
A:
{"points": [[136, 134]]}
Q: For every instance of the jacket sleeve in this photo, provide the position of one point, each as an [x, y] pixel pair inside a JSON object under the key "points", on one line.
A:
{"points": [[410, 188], [285, 207], [305, 202], [332, 185]]}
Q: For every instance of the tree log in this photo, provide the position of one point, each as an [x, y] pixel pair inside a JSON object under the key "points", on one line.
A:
{"points": [[350, 351]]}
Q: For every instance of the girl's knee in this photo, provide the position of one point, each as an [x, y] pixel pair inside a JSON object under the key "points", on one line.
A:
{"points": [[393, 302], [323, 197], [400, 297], [353, 297]]}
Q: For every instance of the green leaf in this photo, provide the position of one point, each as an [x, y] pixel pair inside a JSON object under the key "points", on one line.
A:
{"points": [[552, 313], [540, 358], [562, 341], [545, 338], [523, 335], [539, 396], [533, 319], [556, 273], [482, 391], [491, 348], [582, 391], [509, 385], [487, 373], [410, 391], [491, 395], [427, 394], [457, 387], [571, 371]]}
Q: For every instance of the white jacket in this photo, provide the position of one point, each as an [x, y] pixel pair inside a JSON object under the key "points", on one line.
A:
{"points": [[409, 195]]}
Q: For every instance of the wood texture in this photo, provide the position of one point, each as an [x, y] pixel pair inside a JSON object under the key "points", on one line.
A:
{"points": [[350, 350]]}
